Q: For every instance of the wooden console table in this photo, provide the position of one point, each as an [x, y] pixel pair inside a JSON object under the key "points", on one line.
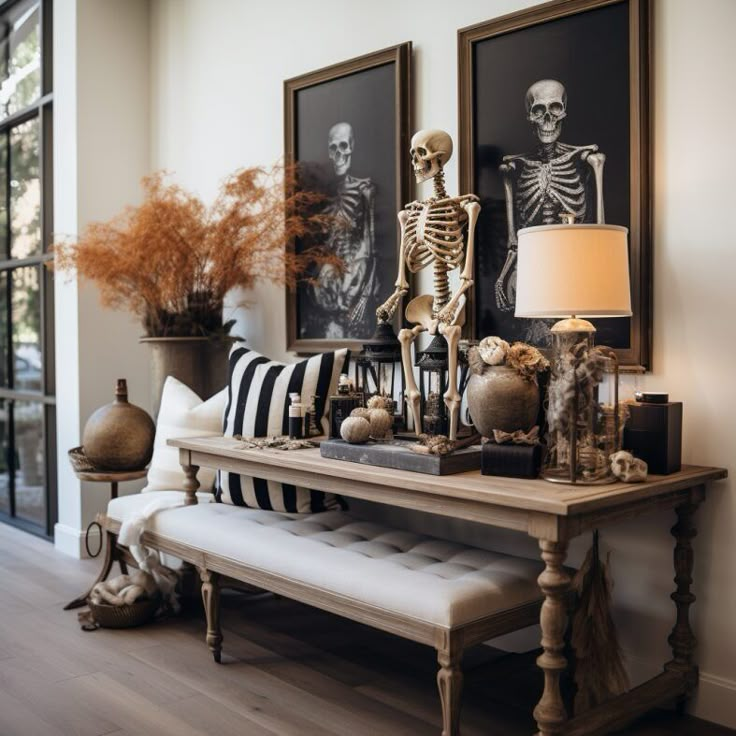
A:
{"points": [[551, 513]]}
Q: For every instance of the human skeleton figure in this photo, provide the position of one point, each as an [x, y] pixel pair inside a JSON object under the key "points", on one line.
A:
{"points": [[542, 187], [438, 231], [352, 237]]}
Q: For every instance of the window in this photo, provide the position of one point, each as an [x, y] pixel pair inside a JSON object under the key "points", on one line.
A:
{"points": [[27, 391]]}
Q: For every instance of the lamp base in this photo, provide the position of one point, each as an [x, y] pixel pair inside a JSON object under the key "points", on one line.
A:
{"points": [[575, 454]]}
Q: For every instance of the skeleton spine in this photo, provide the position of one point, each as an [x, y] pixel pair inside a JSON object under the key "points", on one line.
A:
{"points": [[439, 185], [441, 285]]}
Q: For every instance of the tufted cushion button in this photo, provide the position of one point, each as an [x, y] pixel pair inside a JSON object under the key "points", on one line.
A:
{"points": [[337, 539]]}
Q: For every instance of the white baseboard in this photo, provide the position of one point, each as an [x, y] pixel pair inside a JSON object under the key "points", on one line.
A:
{"points": [[70, 541], [715, 700]]}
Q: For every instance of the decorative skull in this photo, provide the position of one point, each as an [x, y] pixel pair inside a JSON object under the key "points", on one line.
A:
{"points": [[430, 151], [628, 468], [546, 107], [340, 147]]}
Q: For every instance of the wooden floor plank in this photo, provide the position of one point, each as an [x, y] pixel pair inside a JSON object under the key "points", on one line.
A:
{"points": [[19, 719], [54, 707], [125, 707]]}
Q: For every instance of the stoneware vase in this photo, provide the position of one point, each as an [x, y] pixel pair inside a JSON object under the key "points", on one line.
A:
{"points": [[119, 436], [198, 362], [499, 398]]}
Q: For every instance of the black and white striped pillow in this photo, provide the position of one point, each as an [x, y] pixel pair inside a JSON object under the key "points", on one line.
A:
{"points": [[258, 406]]}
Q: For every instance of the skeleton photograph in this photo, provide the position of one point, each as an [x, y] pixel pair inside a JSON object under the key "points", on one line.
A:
{"points": [[550, 110], [554, 181], [343, 125], [341, 296]]}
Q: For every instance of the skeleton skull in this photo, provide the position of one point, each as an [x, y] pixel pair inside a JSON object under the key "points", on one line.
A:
{"points": [[430, 151], [628, 468], [546, 107], [340, 147]]}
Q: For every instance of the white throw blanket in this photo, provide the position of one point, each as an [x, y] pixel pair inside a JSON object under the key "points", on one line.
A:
{"points": [[148, 559]]}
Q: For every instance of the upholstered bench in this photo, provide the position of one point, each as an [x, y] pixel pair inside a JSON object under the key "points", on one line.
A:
{"points": [[430, 590]]}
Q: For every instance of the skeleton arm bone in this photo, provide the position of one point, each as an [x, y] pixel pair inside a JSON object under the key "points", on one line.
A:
{"points": [[447, 313], [596, 161], [502, 288], [386, 311], [359, 278], [507, 169], [369, 232]]}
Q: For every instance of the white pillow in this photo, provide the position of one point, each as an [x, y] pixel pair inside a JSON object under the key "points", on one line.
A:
{"points": [[182, 414]]}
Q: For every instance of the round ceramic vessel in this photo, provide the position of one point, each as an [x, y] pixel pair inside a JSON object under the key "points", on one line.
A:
{"points": [[119, 436], [499, 398]]}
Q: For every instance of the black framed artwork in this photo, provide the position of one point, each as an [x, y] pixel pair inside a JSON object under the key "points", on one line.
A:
{"points": [[554, 119], [347, 128]]}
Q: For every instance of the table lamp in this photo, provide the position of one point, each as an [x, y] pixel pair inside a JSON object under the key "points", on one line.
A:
{"points": [[573, 271]]}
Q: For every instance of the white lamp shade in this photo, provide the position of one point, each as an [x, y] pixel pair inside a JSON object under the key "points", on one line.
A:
{"points": [[573, 270]]}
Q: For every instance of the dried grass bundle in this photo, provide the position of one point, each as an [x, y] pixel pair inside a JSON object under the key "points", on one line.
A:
{"points": [[599, 670], [172, 260]]}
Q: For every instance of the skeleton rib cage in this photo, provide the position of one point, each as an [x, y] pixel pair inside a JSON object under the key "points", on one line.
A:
{"points": [[551, 185], [435, 232], [348, 207]]}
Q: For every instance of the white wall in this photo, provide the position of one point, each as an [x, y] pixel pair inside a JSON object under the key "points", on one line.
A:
{"points": [[101, 149], [216, 104]]}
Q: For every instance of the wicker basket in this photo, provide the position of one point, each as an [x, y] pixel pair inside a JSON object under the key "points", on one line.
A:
{"points": [[79, 461], [124, 617]]}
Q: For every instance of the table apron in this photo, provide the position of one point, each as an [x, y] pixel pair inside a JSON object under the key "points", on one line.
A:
{"points": [[444, 505], [538, 524]]}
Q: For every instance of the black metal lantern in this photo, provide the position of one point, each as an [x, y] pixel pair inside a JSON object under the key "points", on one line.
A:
{"points": [[433, 381], [432, 364], [378, 371]]}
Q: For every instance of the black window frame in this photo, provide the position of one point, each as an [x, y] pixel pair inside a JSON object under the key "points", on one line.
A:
{"points": [[42, 110]]}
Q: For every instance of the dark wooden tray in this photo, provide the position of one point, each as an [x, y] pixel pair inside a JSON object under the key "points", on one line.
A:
{"points": [[397, 455]]}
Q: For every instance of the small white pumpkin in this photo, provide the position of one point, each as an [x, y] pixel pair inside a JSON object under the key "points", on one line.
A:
{"points": [[380, 422], [355, 430]]}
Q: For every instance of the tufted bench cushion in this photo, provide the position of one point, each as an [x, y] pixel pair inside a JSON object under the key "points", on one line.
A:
{"points": [[421, 577]]}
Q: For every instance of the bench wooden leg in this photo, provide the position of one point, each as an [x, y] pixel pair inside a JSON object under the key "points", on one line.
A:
{"points": [[211, 600], [554, 582], [450, 683]]}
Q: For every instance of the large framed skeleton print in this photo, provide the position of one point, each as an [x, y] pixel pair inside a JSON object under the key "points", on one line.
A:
{"points": [[554, 121], [347, 128]]}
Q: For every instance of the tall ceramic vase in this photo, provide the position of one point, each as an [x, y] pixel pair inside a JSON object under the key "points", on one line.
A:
{"points": [[199, 362]]}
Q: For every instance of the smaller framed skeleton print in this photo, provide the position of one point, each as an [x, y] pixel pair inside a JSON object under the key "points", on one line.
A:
{"points": [[554, 121], [348, 127]]}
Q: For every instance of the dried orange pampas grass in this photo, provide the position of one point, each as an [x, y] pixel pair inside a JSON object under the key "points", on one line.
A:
{"points": [[172, 259]]}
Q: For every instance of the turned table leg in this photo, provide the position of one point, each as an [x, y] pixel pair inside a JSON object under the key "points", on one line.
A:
{"points": [[682, 640], [450, 684], [191, 484], [550, 713], [211, 600]]}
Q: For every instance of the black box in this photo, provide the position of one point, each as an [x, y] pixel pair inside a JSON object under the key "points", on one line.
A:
{"points": [[340, 408], [654, 434], [511, 461]]}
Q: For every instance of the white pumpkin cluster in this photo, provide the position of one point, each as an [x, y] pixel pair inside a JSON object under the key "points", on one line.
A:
{"points": [[364, 423]]}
